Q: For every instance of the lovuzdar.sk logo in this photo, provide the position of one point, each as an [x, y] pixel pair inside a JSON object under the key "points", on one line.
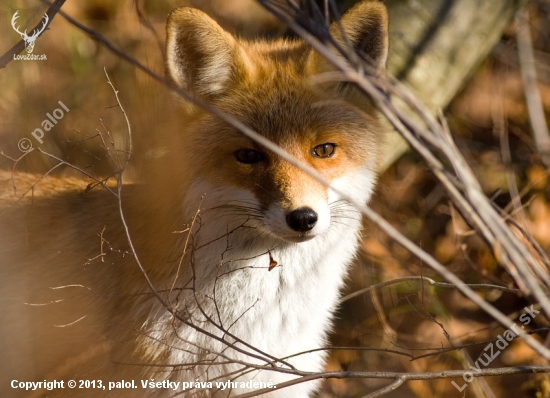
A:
{"points": [[29, 39]]}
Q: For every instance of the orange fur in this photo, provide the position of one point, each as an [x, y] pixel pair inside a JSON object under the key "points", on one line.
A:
{"points": [[76, 305]]}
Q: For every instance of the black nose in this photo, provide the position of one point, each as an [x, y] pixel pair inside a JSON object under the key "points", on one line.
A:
{"points": [[302, 220]]}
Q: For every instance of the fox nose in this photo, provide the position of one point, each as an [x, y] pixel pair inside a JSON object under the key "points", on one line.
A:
{"points": [[302, 220]]}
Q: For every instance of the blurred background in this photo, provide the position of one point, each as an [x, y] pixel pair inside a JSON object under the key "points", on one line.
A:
{"points": [[487, 115]]}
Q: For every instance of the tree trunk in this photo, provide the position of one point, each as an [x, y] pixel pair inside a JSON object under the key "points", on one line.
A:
{"points": [[435, 45]]}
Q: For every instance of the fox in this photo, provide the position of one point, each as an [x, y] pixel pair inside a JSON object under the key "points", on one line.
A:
{"points": [[218, 270]]}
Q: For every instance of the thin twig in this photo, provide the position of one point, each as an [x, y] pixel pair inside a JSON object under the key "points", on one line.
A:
{"points": [[383, 391], [429, 281], [445, 374]]}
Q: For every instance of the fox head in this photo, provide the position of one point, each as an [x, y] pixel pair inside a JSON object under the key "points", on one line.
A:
{"points": [[269, 87]]}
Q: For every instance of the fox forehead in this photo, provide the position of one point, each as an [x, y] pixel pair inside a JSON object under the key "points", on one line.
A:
{"points": [[279, 101], [277, 94]]}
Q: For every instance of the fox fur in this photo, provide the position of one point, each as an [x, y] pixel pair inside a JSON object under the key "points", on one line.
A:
{"points": [[248, 252]]}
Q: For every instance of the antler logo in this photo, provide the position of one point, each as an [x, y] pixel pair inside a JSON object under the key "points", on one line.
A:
{"points": [[29, 40]]}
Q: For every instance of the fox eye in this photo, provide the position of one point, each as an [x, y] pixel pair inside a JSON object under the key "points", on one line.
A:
{"points": [[324, 150], [248, 156]]}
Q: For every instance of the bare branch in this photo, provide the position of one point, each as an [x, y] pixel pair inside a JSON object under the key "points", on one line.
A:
{"points": [[446, 374], [429, 281], [396, 384]]}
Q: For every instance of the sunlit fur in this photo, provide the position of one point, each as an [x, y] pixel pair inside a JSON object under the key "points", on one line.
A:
{"points": [[210, 231]]}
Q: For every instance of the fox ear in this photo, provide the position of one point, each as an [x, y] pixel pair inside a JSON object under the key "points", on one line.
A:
{"points": [[364, 27], [201, 57]]}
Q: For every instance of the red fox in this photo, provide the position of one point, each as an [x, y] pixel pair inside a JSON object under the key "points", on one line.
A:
{"points": [[246, 252]]}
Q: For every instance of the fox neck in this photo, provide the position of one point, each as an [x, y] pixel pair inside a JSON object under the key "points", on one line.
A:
{"points": [[235, 275]]}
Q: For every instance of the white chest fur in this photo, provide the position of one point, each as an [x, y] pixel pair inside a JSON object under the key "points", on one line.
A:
{"points": [[255, 313]]}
